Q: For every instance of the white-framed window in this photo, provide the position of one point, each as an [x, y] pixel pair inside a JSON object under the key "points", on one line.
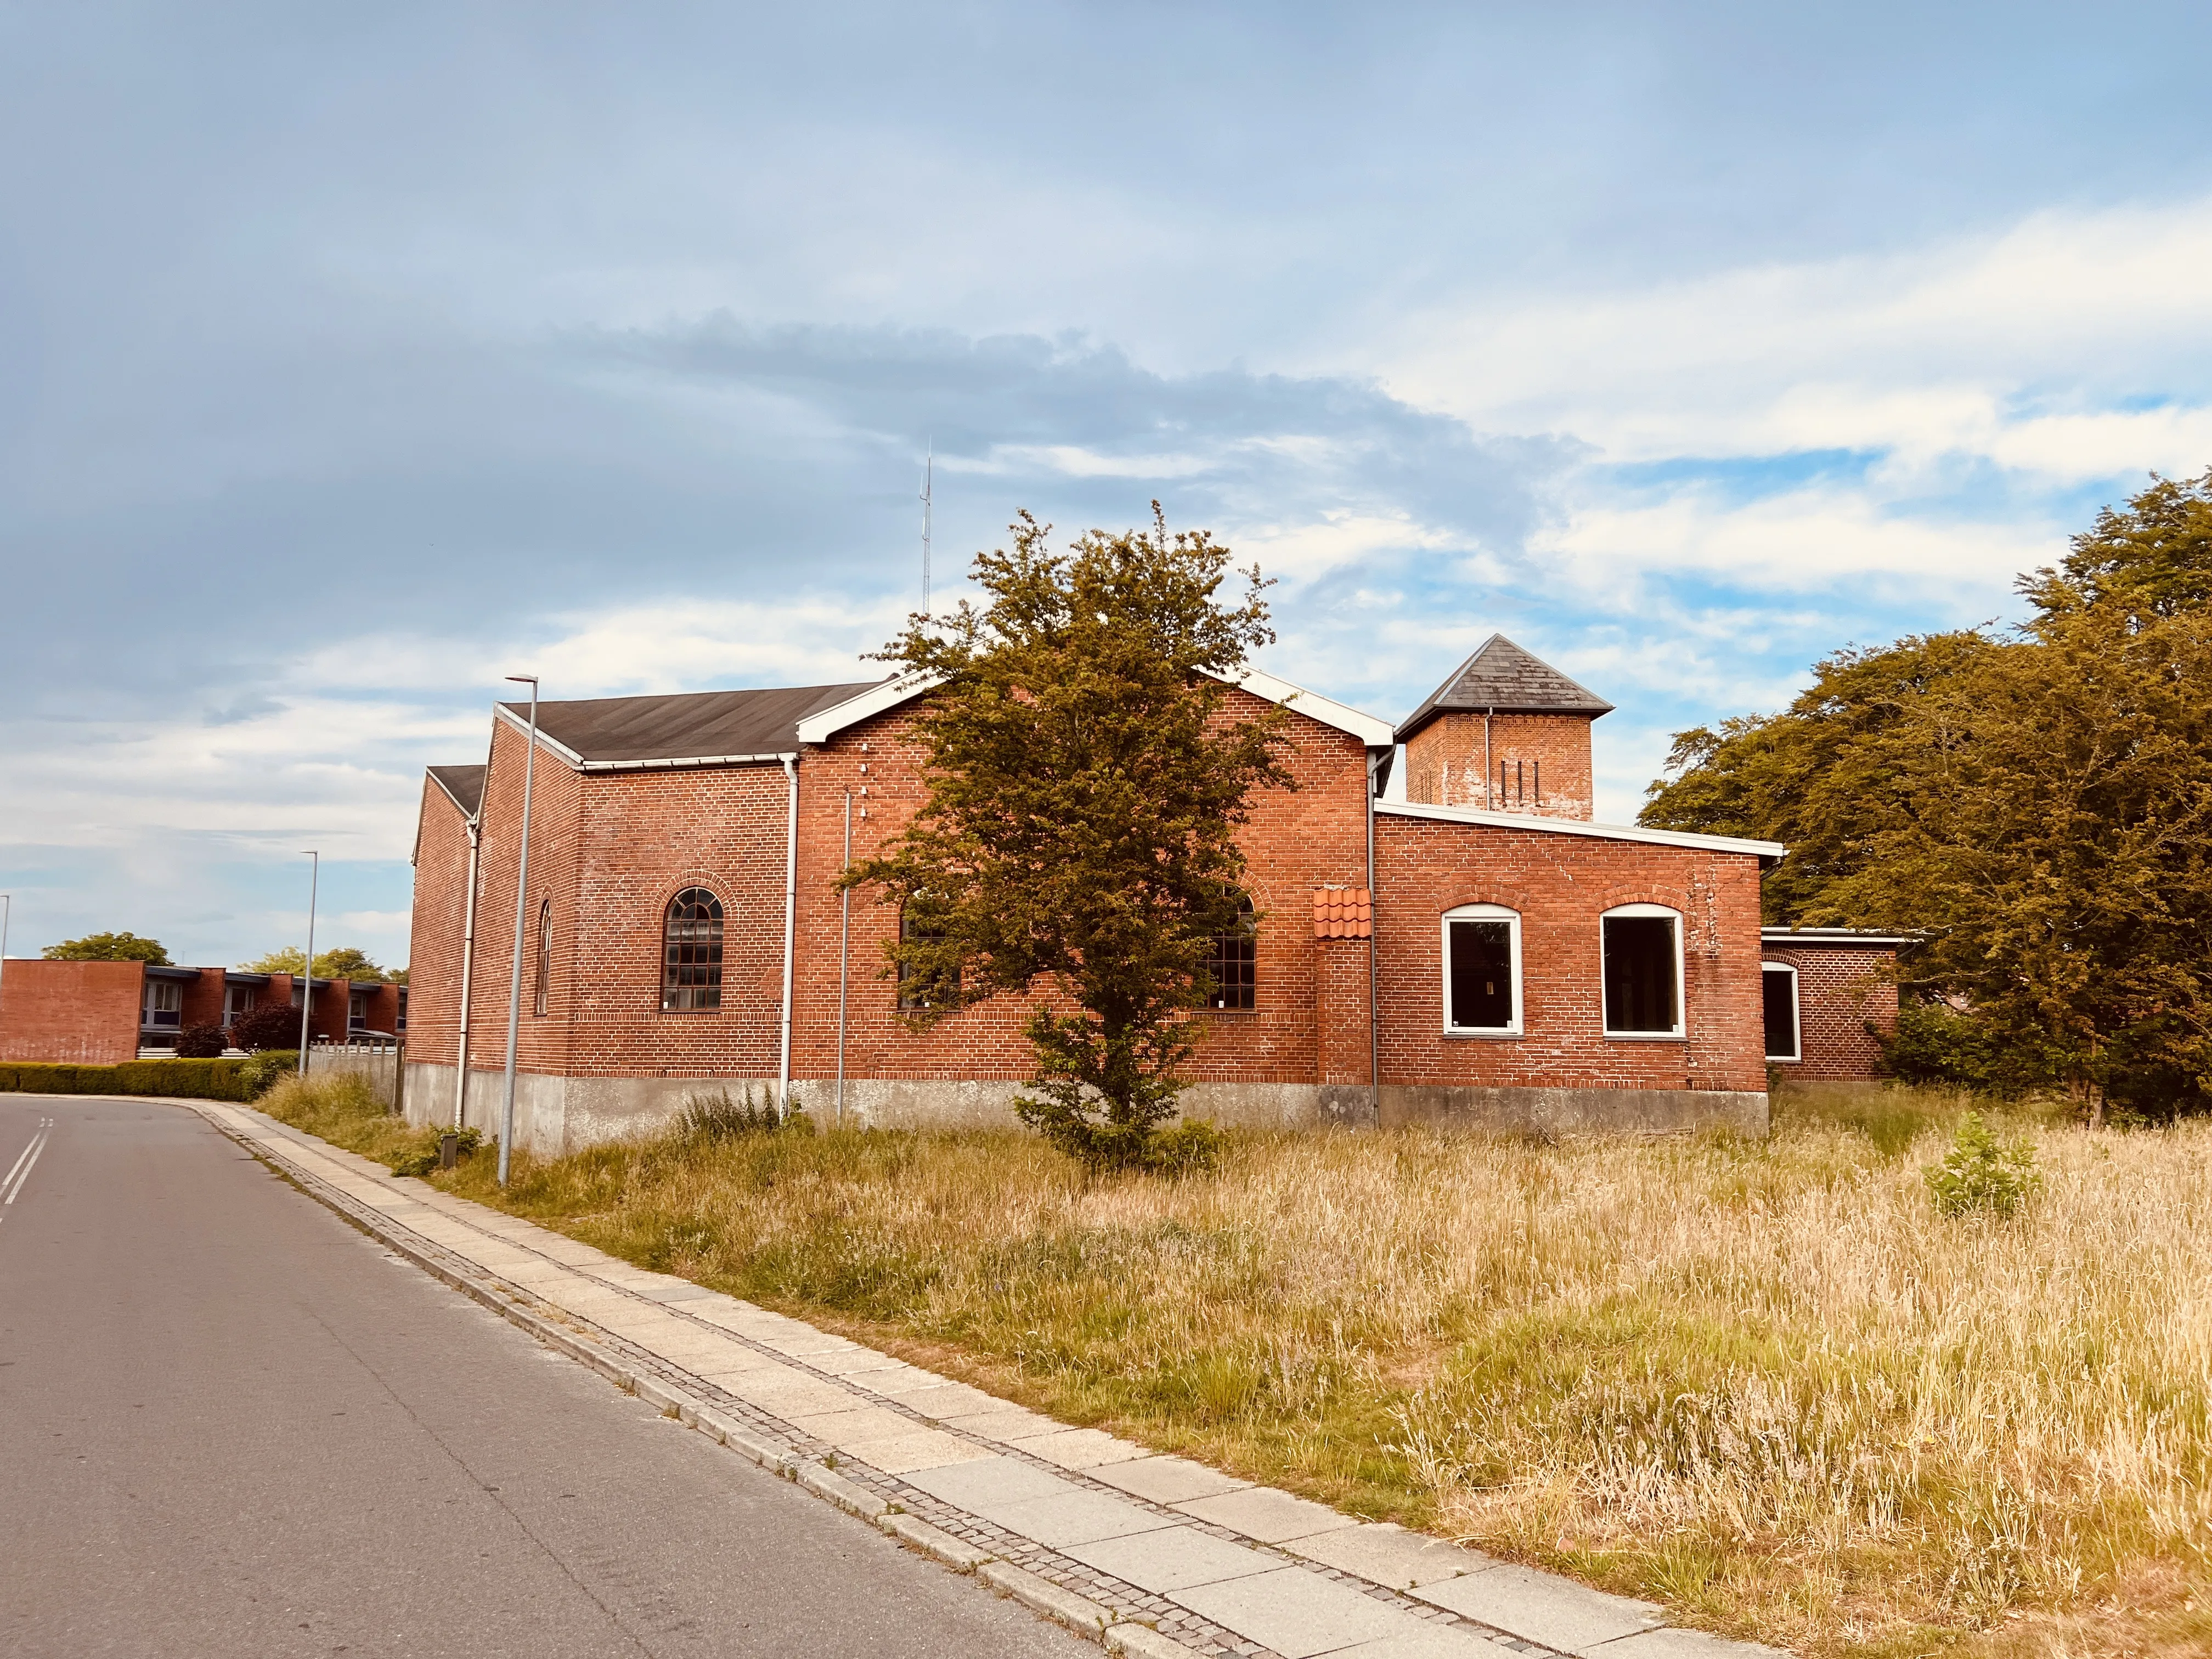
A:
{"points": [[1777, 996], [165, 1004], [237, 1003], [1643, 971], [1482, 971]]}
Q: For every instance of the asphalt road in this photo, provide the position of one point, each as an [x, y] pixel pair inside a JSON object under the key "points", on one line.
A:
{"points": [[231, 1423]]}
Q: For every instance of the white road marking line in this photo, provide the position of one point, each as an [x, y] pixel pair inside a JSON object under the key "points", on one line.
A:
{"points": [[21, 1173]]}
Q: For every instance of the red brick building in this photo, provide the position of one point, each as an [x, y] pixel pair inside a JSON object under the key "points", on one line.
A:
{"points": [[1830, 996], [1480, 952], [99, 1014]]}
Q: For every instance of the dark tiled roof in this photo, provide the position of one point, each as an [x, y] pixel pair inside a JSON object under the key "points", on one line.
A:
{"points": [[463, 783], [1504, 679], [698, 726]]}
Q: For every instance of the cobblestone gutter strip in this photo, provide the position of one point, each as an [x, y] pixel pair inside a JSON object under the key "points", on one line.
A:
{"points": [[1087, 1601]]}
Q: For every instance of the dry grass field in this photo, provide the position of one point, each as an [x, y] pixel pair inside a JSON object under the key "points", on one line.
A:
{"points": [[1763, 1382]]}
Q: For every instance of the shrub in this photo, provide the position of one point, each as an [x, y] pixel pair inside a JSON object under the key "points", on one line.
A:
{"points": [[268, 1025], [189, 1079], [1193, 1146], [1935, 1044], [717, 1117], [1983, 1173], [267, 1068], [200, 1043]]}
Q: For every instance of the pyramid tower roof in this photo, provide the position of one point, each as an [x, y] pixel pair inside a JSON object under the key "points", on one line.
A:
{"points": [[1501, 678]]}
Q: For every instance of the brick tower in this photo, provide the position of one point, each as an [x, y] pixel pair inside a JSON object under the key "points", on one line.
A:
{"points": [[1506, 733]]}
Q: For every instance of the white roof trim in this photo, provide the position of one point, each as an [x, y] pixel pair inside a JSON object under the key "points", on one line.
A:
{"points": [[1408, 808], [825, 724], [522, 724], [1833, 936], [1375, 734]]}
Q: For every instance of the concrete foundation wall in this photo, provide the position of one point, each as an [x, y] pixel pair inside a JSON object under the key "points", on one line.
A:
{"points": [[1574, 1111], [555, 1115]]}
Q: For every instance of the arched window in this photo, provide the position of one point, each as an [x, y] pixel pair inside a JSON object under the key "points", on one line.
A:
{"points": [[545, 957], [1232, 964], [1777, 989], [1643, 948], [691, 952], [1482, 970]]}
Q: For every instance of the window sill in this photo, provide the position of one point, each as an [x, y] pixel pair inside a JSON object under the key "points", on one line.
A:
{"points": [[1785, 1059], [1647, 1037], [1459, 1033]]}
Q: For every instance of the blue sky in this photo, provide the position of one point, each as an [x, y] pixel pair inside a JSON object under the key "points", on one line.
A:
{"points": [[350, 359]]}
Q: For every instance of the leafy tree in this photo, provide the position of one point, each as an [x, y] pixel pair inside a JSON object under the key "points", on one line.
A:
{"points": [[109, 947], [1086, 778], [1818, 777], [2040, 804], [346, 962], [342, 962]]}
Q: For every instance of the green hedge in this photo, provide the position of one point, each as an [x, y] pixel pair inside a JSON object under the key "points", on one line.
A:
{"points": [[194, 1080]]}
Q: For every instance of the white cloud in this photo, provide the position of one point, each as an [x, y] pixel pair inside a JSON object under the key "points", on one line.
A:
{"points": [[1955, 348], [1799, 540]]}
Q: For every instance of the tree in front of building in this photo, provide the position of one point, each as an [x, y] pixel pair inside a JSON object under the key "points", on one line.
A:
{"points": [[343, 963], [267, 1025], [1085, 778], [2036, 803], [109, 947]]}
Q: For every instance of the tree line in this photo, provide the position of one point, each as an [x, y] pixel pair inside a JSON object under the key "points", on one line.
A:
{"points": [[343, 961], [2034, 802]]}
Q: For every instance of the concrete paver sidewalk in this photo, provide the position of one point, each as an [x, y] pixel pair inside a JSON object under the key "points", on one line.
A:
{"points": [[1155, 1555]]}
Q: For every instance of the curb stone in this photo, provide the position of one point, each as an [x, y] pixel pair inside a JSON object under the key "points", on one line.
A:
{"points": [[1063, 1606], [1143, 1641], [939, 1545], [824, 1483]]}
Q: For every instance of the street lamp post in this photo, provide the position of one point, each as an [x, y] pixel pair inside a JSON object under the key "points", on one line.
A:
{"points": [[6, 909], [521, 892], [307, 979]]}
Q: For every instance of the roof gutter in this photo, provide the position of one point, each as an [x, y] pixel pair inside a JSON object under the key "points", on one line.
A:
{"points": [[676, 761]]}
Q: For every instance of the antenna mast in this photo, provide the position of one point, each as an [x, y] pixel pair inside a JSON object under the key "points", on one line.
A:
{"points": [[928, 483]]}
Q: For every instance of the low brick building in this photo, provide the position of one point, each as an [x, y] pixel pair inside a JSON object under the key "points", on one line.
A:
{"points": [[99, 1014], [1830, 998], [1481, 952]]}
